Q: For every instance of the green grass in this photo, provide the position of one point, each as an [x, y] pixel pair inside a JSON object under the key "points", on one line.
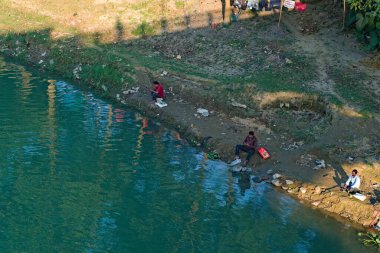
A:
{"points": [[236, 43], [352, 88], [280, 79], [98, 67], [12, 20], [180, 4], [144, 29]]}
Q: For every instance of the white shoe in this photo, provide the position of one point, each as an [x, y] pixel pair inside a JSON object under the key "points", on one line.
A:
{"points": [[235, 162]]}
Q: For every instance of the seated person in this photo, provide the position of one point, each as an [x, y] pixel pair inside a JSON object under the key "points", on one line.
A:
{"points": [[249, 146], [353, 183], [158, 91]]}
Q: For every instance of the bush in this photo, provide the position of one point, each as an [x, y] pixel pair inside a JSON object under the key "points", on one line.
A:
{"points": [[370, 239], [365, 15]]}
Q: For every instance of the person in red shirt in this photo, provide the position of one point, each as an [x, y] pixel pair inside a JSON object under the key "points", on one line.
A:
{"points": [[158, 91], [249, 146]]}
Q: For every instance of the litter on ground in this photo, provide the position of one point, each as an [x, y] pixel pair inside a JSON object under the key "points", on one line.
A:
{"points": [[203, 112]]}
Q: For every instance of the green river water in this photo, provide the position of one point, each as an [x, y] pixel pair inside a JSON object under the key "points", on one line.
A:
{"points": [[79, 174]]}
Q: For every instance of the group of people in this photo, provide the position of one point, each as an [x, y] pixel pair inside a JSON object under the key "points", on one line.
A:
{"points": [[257, 5], [249, 146]]}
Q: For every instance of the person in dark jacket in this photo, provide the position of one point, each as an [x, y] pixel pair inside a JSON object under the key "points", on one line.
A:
{"points": [[249, 146]]}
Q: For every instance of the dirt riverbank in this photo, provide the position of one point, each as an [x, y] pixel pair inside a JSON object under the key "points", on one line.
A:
{"points": [[306, 88]]}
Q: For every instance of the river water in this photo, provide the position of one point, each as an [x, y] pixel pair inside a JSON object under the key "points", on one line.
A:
{"points": [[79, 174]]}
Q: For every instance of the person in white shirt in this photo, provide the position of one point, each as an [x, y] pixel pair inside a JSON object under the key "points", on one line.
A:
{"points": [[353, 183]]}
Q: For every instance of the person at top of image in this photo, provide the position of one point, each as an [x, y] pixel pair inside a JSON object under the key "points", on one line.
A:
{"points": [[157, 91], [249, 146]]}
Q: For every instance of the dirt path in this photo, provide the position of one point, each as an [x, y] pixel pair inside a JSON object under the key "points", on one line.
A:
{"points": [[334, 49]]}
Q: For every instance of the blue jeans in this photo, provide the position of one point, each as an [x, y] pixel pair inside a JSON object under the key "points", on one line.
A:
{"points": [[154, 95], [250, 151]]}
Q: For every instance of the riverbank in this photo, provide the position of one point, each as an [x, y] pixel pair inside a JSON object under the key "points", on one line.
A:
{"points": [[305, 94], [81, 174]]}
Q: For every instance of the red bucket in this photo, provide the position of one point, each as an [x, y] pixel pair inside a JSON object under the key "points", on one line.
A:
{"points": [[263, 153]]}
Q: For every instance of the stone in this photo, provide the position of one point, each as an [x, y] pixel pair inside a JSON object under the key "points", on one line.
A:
{"points": [[276, 182], [269, 172], [179, 57], [289, 182], [276, 176], [303, 190], [317, 190], [288, 61], [256, 179], [284, 187], [131, 91], [316, 203], [236, 104], [245, 169], [320, 163], [76, 71]]}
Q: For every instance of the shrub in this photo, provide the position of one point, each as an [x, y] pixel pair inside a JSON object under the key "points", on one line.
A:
{"points": [[370, 239], [365, 15]]}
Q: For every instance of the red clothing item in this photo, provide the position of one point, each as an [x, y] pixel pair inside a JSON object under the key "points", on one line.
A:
{"points": [[160, 90]]}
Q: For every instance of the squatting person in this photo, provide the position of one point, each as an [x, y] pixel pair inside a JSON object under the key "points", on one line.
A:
{"points": [[249, 146]]}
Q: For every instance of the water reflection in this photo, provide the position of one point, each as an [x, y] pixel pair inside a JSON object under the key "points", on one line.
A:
{"points": [[25, 80], [52, 127]]}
